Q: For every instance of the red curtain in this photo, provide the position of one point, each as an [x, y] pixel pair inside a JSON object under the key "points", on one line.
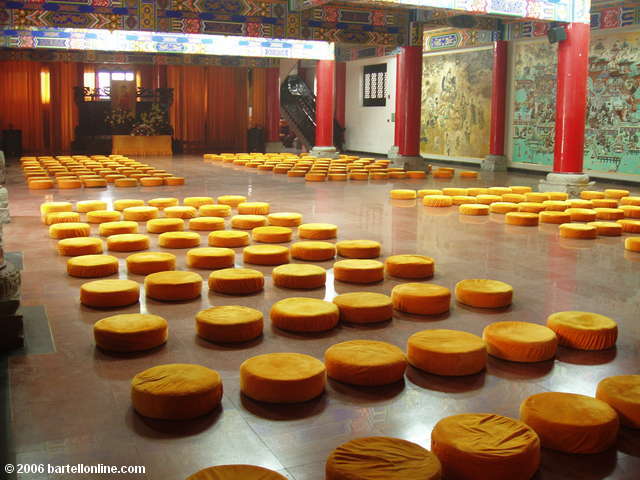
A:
{"points": [[20, 102], [209, 110], [259, 97], [64, 111]]}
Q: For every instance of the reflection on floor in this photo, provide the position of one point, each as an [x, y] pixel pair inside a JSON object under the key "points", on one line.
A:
{"points": [[72, 406]]}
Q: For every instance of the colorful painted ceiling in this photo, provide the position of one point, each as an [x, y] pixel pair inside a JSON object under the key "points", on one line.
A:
{"points": [[350, 24]]}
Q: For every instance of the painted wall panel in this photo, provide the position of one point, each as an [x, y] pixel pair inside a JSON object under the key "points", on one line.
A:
{"points": [[613, 120], [456, 104]]}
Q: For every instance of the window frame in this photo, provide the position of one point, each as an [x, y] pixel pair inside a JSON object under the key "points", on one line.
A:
{"points": [[371, 77]]}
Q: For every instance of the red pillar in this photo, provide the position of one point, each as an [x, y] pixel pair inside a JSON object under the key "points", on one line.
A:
{"points": [[498, 98], [325, 71], [273, 104], [571, 99], [408, 96], [400, 104], [341, 92]]}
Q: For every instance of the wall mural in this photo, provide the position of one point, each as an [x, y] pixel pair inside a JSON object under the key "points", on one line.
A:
{"points": [[613, 121], [456, 104]]}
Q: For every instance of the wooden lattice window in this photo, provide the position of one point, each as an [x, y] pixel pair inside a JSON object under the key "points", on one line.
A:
{"points": [[374, 85]]}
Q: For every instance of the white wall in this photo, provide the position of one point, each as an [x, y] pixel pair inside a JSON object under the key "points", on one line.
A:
{"points": [[369, 129]]}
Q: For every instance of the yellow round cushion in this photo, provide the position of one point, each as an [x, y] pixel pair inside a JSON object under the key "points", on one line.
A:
{"points": [[364, 307], [248, 222], [365, 362], [437, 201], [127, 242], [140, 214], [51, 207], [630, 211], [571, 423], [151, 181], [499, 190], [179, 239], [579, 203], [615, 193], [206, 224], [525, 219], [421, 298], [577, 230], [317, 231], [162, 225], [556, 205], [214, 210], [253, 208], [358, 248], [429, 191], [92, 266], [229, 323], [282, 378], [40, 184], [503, 207], [358, 271], [61, 217], [231, 200], [102, 216], [109, 293], [69, 230], [622, 393], [295, 275], [531, 207], [555, 217], [607, 229], [284, 219], [173, 285], [197, 202], [107, 229], [583, 330], [85, 206], [126, 182], [180, 211], [488, 199], [126, 203], [630, 201], [513, 197], [144, 263], [402, 194], [447, 352], [265, 254], [609, 213], [176, 391], [271, 234], [163, 202], [484, 293], [94, 182], [463, 200], [72, 247], [299, 314], [236, 281], [454, 191], [485, 445], [476, 209], [313, 251], [130, 332], [236, 472], [409, 266], [520, 341], [228, 238], [211, 258], [632, 244], [630, 226], [382, 458], [171, 180], [537, 197], [582, 214], [591, 194]]}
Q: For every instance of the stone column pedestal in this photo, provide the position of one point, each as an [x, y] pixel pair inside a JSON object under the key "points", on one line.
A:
{"points": [[494, 163], [571, 183], [324, 152]]}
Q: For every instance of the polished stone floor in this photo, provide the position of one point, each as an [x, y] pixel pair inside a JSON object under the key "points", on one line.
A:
{"points": [[72, 406]]}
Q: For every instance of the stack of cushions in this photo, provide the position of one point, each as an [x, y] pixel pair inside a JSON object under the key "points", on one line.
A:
{"points": [[176, 391], [571, 423], [484, 445], [382, 458], [282, 377], [365, 363]]}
